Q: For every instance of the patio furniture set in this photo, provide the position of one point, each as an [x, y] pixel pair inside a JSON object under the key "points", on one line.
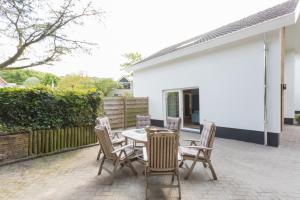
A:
{"points": [[158, 149]]}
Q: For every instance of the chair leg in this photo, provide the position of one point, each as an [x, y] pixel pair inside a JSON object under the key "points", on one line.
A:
{"points": [[101, 165], [181, 163], [146, 186], [132, 168], [179, 186], [190, 170], [204, 165], [114, 171], [99, 154], [212, 170], [172, 178]]}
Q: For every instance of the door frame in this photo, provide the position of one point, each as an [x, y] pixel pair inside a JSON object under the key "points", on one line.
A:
{"points": [[165, 92], [180, 91]]}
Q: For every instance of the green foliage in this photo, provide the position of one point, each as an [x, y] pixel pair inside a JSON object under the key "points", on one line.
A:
{"points": [[298, 118], [76, 82], [16, 129], [104, 85], [19, 76], [42, 108], [132, 58], [32, 82]]}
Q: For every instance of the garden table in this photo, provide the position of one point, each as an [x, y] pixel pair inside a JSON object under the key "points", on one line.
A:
{"points": [[139, 135]]}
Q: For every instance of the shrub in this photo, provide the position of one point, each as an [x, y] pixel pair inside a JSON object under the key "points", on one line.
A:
{"points": [[42, 108], [298, 118]]}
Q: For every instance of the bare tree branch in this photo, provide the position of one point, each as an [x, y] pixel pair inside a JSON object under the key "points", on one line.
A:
{"points": [[24, 23]]}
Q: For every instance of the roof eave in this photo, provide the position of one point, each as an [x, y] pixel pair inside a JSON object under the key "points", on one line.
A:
{"points": [[264, 27]]}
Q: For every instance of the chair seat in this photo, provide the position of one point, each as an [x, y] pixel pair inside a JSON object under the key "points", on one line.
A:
{"points": [[118, 141], [186, 151], [129, 151]]}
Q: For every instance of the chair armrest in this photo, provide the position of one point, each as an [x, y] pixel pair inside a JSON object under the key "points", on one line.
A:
{"points": [[117, 131], [145, 155], [122, 148], [191, 140], [200, 147]]}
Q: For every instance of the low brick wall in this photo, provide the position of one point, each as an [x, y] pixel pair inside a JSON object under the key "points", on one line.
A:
{"points": [[13, 146]]}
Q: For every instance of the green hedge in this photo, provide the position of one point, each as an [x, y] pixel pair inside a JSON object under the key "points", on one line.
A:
{"points": [[42, 108], [298, 118]]}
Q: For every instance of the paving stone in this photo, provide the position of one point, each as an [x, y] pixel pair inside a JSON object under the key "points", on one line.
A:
{"points": [[245, 171]]}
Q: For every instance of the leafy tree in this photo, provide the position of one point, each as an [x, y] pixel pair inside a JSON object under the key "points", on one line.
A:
{"points": [[132, 58], [32, 82], [76, 82], [19, 76], [106, 85], [49, 79], [39, 30]]}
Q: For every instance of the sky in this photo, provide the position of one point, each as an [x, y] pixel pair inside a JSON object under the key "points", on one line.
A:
{"points": [[147, 26]]}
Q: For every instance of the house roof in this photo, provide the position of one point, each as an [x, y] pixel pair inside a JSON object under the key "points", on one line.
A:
{"points": [[275, 12], [125, 79]]}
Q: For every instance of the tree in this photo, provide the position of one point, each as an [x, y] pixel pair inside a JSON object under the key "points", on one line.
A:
{"points": [[39, 30], [76, 82], [106, 85], [19, 76], [32, 82], [132, 58]]}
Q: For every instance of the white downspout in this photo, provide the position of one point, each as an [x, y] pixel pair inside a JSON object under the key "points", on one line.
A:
{"points": [[265, 93]]}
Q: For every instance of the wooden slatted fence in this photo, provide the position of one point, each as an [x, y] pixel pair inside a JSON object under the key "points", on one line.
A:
{"points": [[122, 111], [47, 141]]}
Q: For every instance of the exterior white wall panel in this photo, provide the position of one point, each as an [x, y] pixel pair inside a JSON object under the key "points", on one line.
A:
{"points": [[230, 81]]}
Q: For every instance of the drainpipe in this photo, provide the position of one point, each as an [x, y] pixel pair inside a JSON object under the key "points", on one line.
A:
{"points": [[265, 93]]}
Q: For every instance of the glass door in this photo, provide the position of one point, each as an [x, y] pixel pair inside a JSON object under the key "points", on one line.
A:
{"points": [[172, 104]]}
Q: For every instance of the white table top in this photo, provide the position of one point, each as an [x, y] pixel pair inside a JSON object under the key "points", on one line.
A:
{"points": [[138, 135]]}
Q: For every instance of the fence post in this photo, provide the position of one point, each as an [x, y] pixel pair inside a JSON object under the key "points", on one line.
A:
{"points": [[124, 113]]}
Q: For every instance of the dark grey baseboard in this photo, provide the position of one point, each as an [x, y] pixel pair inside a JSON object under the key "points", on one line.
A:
{"points": [[156, 122], [289, 121], [256, 137], [237, 134]]}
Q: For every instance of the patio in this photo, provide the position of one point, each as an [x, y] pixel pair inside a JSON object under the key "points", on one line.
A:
{"points": [[245, 171]]}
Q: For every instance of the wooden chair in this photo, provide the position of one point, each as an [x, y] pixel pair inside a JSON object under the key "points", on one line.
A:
{"points": [[161, 158], [200, 150], [114, 135], [173, 123], [143, 121], [119, 157]]}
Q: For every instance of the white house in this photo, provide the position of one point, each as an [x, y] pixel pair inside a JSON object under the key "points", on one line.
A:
{"points": [[126, 90], [244, 76]]}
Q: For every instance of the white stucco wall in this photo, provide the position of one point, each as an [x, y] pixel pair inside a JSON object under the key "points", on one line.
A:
{"points": [[297, 82], [289, 77], [274, 82], [230, 81]]}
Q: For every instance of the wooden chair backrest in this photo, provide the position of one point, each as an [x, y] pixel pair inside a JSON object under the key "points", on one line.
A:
{"points": [[173, 123], [208, 135], [104, 121], [143, 121], [105, 142], [162, 150]]}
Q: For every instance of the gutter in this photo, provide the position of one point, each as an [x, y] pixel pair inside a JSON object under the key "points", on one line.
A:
{"points": [[265, 93]]}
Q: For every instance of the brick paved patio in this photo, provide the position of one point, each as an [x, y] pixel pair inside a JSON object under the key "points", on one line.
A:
{"points": [[245, 171]]}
